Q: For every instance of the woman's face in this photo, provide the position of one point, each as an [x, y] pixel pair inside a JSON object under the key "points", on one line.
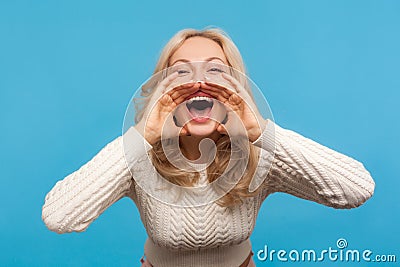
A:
{"points": [[197, 49]]}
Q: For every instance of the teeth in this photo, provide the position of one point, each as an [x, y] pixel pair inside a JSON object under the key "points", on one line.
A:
{"points": [[197, 98]]}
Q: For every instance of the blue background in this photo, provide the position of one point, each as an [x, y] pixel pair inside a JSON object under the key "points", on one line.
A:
{"points": [[329, 69]]}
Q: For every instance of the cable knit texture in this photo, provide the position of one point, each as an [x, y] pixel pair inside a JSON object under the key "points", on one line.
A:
{"points": [[208, 235]]}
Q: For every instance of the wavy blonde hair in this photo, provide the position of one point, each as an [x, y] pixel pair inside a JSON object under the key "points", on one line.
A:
{"points": [[223, 144]]}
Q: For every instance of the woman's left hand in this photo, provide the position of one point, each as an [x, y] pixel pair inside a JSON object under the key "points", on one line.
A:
{"points": [[236, 98]]}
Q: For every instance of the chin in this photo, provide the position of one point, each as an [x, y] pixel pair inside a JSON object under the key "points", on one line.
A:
{"points": [[202, 129]]}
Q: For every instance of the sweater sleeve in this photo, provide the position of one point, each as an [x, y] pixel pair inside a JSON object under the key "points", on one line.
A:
{"points": [[309, 170], [77, 200]]}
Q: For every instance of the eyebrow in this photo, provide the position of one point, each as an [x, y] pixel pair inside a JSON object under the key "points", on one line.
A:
{"points": [[186, 61]]}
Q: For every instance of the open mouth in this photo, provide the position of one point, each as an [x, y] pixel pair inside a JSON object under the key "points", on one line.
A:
{"points": [[200, 107]]}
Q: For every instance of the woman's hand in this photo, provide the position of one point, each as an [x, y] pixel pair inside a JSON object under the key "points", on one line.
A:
{"points": [[240, 106], [157, 120]]}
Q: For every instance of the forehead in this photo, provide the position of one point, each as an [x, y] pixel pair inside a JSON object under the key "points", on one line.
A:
{"points": [[198, 49]]}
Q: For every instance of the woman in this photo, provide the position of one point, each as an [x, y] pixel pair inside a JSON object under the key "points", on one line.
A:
{"points": [[215, 233]]}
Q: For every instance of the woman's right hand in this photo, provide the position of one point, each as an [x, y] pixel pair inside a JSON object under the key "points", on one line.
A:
{"points": [[157, 120]]}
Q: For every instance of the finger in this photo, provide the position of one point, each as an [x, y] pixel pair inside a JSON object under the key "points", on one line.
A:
{"points": [[220, 91], [237, 86], [183, 89], [159, 89], [166, 100], [184, 96], [221, 129], [179, 87], [244, 94], [220, 86], [183, 131], [235, 99], [217, 95], [167, 81]]}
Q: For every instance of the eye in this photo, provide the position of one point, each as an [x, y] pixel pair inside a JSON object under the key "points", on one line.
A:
{"points": [[182, 72], [215, 70]]}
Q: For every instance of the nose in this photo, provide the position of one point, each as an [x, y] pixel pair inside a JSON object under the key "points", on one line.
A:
{"points": [[198, 76]]}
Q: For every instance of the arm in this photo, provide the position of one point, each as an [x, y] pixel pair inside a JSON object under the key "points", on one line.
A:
{"points": [[309, 170], [77, 200]]}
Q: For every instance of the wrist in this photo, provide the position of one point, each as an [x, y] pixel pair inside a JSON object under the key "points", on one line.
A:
{"points": [[255, 133], [146, 133]]}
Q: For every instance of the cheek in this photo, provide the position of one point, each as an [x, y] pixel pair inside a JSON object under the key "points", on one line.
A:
{"points": [[218, 112]]}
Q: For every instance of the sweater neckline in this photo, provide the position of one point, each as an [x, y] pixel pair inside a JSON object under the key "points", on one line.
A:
{"points": [[200, 167]]}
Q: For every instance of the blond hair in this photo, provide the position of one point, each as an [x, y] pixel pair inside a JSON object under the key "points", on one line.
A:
{"points": [[223, 144]]}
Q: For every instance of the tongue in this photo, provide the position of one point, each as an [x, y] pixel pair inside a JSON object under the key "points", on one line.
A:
{"points": [[200, 112]]}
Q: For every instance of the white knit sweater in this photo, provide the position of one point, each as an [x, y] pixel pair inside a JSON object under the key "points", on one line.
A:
{"points": [[208, 235]]}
